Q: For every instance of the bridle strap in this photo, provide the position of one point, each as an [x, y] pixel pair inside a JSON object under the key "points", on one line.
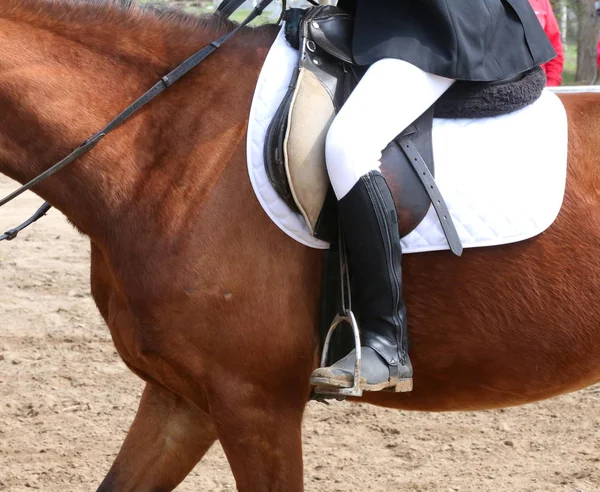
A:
{"points": [[163, 84]]}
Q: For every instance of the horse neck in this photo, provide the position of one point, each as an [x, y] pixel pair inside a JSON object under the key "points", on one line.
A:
{"points": [[57, 90]]}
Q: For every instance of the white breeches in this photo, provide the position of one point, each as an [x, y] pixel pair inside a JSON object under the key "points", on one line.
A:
{"points": [[392, 94]]}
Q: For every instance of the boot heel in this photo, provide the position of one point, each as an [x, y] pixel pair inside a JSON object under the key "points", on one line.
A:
{"points": [[403, 386]]}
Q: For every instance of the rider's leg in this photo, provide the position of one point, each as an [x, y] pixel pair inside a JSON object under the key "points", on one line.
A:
{"points": [[391, 95]]}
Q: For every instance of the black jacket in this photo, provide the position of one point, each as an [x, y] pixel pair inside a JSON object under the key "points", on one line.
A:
{"points": [[482, 40]]}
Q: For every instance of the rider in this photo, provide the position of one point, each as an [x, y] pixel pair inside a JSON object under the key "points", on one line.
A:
{"points": [[415, 50]]}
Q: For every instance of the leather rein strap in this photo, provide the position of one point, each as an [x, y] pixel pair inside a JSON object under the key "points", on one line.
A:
{"points": [[228, 7], [12, 233]]}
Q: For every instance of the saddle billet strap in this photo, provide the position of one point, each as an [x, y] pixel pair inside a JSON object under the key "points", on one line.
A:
{"points": [[441, 209]]}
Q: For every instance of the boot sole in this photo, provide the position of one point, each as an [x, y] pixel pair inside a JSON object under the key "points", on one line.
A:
{"points": [[332, 382], [401, 386]]}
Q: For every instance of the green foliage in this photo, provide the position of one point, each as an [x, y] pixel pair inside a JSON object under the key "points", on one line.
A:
{"points": [[570, 64], [203, 7]]}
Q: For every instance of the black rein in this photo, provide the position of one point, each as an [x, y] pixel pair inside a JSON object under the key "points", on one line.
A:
{"points": [[225, 9]]}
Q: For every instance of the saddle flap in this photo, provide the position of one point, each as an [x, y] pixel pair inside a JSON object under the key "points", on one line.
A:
{"points": [[412, 201], [310, 117]]}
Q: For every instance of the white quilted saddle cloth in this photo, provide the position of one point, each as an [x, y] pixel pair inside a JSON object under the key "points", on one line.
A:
{"points": [[503, 178]]}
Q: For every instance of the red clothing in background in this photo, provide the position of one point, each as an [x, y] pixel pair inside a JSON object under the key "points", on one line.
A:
{"points": [[547, 19]]}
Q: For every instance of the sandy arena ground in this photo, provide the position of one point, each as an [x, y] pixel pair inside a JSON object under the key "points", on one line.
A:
{"points": [[66, 402]]}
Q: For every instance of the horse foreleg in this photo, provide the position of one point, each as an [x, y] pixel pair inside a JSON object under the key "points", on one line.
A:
{"points": [[168, 437], [261, 436]]}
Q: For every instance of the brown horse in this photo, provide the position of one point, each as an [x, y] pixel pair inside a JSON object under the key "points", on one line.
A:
{"points": [[208, 301]]}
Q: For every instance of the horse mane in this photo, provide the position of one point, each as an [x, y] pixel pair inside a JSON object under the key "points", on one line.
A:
{"points": [[127, 29], [120, 12]]}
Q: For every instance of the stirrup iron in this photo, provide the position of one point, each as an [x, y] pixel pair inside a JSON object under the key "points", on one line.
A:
{"points": [[346, 316]]}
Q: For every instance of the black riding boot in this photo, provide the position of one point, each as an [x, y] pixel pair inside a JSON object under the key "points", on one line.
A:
{"points": [[370, 226]]}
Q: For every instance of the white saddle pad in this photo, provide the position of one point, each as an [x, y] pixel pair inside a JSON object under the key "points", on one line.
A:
{"points": [[503, 178]]}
